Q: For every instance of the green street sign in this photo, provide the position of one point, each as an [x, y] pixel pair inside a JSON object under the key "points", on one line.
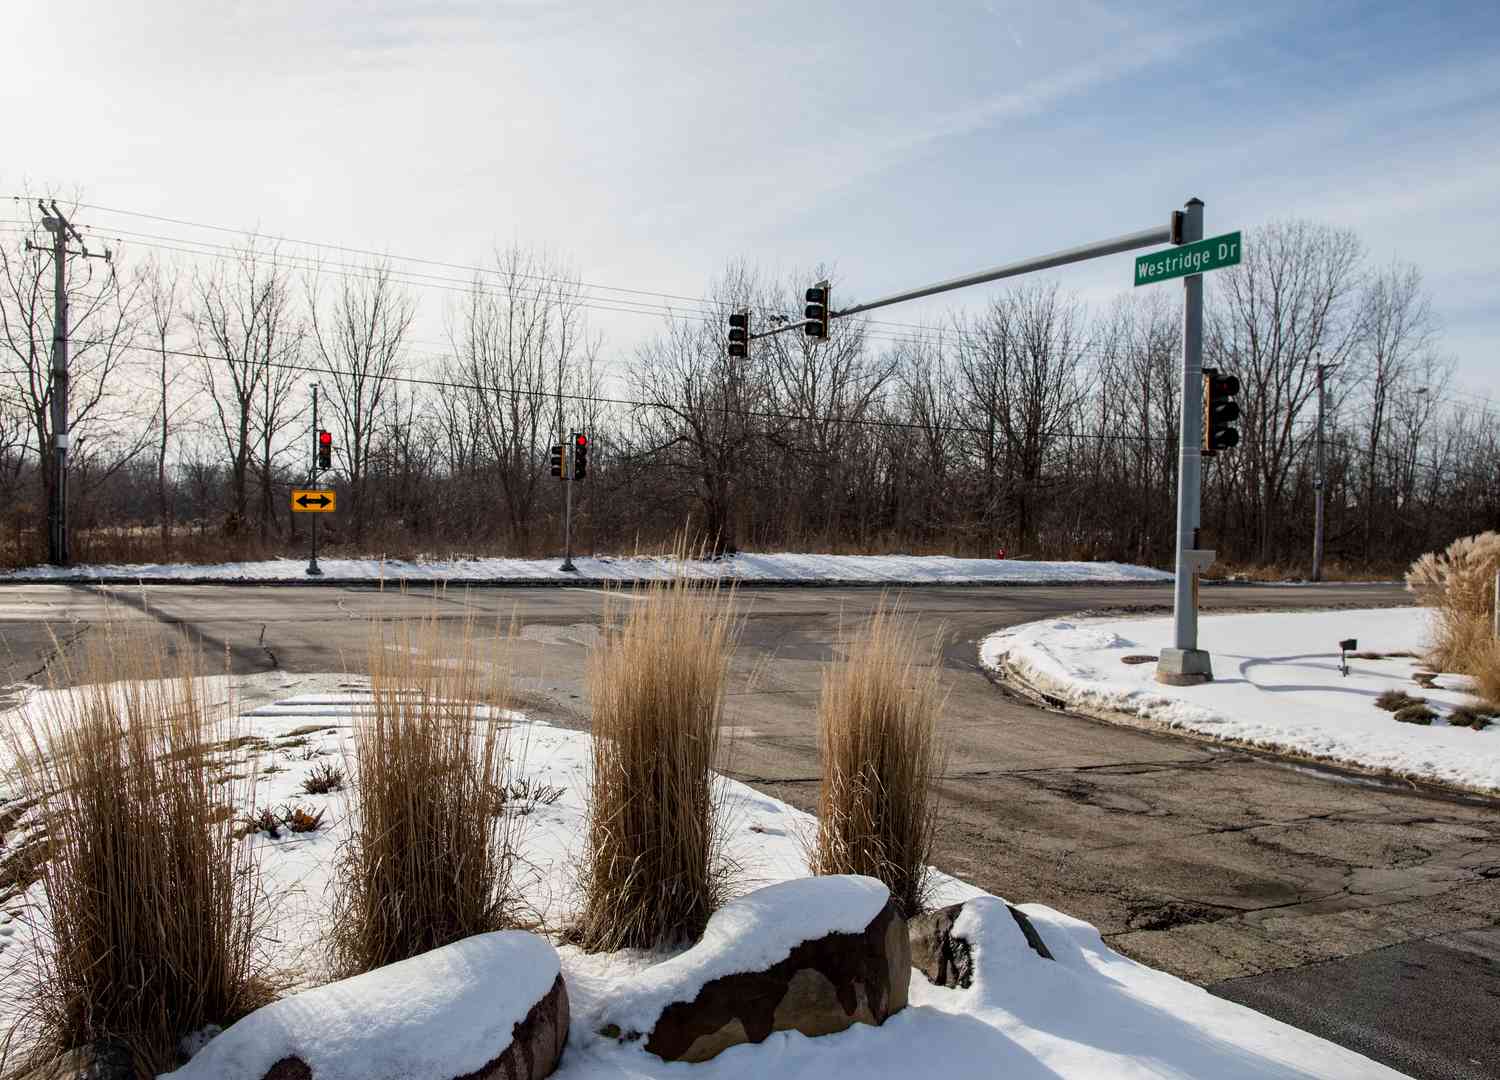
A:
{"points": [[1215, 253]]}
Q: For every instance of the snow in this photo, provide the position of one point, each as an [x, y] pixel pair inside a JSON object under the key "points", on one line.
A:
{"points": [[1277, 684], [448, 1012], [745, 567], [1090, 1013], [750, 934]]}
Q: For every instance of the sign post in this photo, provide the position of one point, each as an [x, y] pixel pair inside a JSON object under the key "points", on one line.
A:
{"points": [[313, 569], [1185, 664]]}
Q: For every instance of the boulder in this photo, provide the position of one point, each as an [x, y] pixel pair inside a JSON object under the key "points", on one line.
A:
{"points": [[490, 1007], [946, 957], [814, 955]]}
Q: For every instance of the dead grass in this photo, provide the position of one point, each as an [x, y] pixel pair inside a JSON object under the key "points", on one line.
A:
{"points": [[1415, 714], [877, 726], [153, 920], [426, 864], [323, 780], [654, 869]]}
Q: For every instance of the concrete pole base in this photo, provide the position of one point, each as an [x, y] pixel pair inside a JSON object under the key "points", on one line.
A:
{"points": [[1184, 667]]}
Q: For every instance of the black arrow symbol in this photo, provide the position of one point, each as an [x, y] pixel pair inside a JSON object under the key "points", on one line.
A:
{"points": [[308, 500]]}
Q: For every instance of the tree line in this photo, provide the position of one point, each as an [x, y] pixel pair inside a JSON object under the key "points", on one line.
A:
{"points": [[1030, 425]]}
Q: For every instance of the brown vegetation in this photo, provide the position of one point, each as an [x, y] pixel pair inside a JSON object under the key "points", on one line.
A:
{"points": [[154, 907], [653, 869], [427, 862], [1458, 584], [877, 727]]}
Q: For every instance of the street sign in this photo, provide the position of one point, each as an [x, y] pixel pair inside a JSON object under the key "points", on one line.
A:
{"points": [[1215, 253], [312, 501]]}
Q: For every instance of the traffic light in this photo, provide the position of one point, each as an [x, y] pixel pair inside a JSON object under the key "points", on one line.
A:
{"points": [[580, 456], [1219, 411], [325, 449], [557, 452], [739, 334], [816, 311]]}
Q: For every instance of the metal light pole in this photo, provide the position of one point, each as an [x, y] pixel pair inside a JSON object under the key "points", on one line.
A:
{"points": [[1185, 664], [570, 453]]}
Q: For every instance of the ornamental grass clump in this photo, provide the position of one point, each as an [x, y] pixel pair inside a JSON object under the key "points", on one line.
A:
{"points": [[1459, 586], [428, 860], [152, 920], [877, 726], [654, 869]]}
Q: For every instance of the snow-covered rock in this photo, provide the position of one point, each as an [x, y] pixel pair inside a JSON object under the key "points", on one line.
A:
{"points": [[813, 956], [940, 951], [493, 1005]]}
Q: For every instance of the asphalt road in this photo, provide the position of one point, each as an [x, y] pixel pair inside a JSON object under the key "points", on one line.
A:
{"points": [[1363, 911]]}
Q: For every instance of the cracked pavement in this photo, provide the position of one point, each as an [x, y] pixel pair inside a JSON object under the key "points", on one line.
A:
{"points": [[1271, 882]]}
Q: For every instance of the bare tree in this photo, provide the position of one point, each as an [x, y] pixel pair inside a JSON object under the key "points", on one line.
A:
{"points": [[1290, 306], [164, 298], [359, 336], [1396, 332], [249, 336], [516, 339]]}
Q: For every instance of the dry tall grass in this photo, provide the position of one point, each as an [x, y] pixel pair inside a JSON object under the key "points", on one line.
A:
{"points": [[153, 919], [654, 870], [1459, 585], [431, 853], [877, 726]]}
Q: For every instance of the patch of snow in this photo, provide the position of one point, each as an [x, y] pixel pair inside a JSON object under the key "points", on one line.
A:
{"points": [[744, 567], [448, 1012], [1277, 684], [746, 935]]}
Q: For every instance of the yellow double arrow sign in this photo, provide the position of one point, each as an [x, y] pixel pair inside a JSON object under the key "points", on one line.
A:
{"points": [[312, 501]]}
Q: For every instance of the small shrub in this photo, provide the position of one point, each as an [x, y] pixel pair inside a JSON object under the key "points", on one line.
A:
{"points": [[877, 726], [1395, 700], [1477, 717], [153, 906], [301, 820], [1415, 714], [265, 821], [524, 795], [323, 780], [654, 870], [426, 863]]}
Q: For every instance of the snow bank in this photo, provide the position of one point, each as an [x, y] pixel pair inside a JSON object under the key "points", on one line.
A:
{"points": [[748, 935], [448, 1012], [1277, 684], [763, 568]]}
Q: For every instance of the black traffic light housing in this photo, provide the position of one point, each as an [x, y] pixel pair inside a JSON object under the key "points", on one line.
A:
{"points": [[580, 455], [739, 334], [325, 449], [556, 452], [1220, 411], [816, 311]]}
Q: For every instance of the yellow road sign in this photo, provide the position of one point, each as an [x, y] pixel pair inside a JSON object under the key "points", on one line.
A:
{"points": [[312, 501]]}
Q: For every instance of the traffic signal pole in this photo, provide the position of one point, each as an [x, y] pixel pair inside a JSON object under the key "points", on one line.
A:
{"points": [[313, 570], [1185, 664], [569, 452]]}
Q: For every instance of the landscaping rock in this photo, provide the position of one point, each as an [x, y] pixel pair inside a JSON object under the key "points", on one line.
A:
{"points": [[947, 958], [815, 956], [490, 1007]]}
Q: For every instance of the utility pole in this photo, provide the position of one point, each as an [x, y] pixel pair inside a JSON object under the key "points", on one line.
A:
{"points": [[1185, 664], [57, 223], [313, 569], [1319, 479]]}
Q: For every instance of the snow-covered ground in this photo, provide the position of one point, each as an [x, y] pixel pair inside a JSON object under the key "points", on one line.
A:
{"points": [[1091, 1013], [1276, 684], [748, 567]]}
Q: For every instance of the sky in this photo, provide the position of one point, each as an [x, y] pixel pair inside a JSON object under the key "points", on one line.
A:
{"points": [[648, 145]]}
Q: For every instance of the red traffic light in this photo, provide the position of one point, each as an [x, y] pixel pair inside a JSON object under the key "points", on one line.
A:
{"points": [[325, 438], [581, 439]]}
